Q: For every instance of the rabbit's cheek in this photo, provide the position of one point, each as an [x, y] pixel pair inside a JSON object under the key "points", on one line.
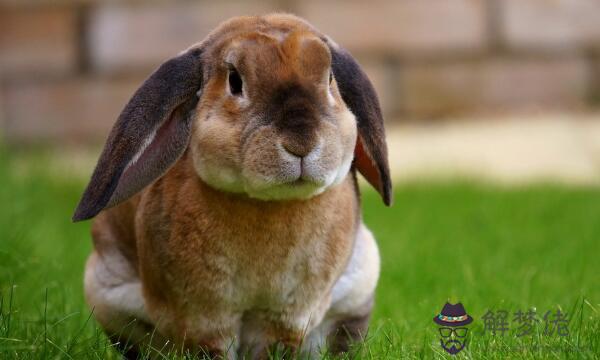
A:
{"points": [[346, 133], [215, 155], [326, 161], [319, 166]]}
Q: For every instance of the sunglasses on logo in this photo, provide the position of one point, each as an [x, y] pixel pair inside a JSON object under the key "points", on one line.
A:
{"points": [[458, 332]]}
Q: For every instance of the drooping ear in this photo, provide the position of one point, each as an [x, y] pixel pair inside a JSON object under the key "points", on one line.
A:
{"points": [[151, 133], [370, 153]]}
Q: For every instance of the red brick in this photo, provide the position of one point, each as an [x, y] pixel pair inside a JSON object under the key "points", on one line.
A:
{"points": [[37, 40], [410, 27], [439, 90], [551, 24], [66, 110], [144, 35]]}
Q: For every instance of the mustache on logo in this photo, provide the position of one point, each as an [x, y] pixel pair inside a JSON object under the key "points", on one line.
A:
{"points": [[455, 348]]}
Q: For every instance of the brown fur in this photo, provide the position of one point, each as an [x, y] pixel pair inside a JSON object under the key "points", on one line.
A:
{"points": [[228, 244], [249, 242], [121, 222]]}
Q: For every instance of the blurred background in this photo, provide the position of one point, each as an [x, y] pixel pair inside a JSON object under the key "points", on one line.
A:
{"points": [[507, 89], [492, 112]]}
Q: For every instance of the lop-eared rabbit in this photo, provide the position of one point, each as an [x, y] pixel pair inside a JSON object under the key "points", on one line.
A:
{"points": [[226, 201]]}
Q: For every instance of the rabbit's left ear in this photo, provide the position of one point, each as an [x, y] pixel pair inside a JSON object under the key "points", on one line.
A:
{"points": [[151, 133], [370, 153]]}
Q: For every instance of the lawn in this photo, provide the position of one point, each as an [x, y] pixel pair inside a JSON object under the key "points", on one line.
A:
{"points": [[490, 247]]}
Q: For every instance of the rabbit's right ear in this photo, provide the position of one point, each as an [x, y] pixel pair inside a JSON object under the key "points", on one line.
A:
{"points": [[370, 153], [151, 133]]}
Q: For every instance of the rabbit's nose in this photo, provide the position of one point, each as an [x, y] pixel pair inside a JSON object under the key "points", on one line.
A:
{"points": [[298, 148]]}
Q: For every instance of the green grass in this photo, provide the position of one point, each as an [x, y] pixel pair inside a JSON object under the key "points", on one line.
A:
{"points": [[489, 247]]}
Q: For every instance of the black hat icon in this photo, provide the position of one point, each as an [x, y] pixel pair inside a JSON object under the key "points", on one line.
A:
{"points": [[453, 315]]}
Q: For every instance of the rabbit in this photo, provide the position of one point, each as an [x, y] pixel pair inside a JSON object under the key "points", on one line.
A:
{"points": [[226, 205]]}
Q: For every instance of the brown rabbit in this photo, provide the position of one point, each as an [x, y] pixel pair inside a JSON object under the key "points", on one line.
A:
{"points": [[226, 203]]}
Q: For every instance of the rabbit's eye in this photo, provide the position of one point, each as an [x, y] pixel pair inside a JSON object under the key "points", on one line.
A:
{"points": [[235, 82], [330, 77]]}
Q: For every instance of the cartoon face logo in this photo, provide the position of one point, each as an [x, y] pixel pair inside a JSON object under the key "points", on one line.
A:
{"points": [[453, 320]]}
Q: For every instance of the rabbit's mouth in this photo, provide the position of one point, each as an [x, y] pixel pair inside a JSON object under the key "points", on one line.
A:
{"points": [[306, 182], [297, 189], [301, 182], [296, 177], [301, 186]]}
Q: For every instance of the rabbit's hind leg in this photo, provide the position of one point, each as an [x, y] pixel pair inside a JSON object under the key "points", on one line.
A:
{"points": [[352, 296], [113, 292]]}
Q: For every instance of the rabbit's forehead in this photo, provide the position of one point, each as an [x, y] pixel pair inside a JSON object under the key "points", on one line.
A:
{"points": [[299, 52]]}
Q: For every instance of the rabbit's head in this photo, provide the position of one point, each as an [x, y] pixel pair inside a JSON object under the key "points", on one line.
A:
{"points": [[268, 107]]}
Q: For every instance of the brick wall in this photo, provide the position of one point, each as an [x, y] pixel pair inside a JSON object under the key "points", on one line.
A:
{"points": [[68, 66]]}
